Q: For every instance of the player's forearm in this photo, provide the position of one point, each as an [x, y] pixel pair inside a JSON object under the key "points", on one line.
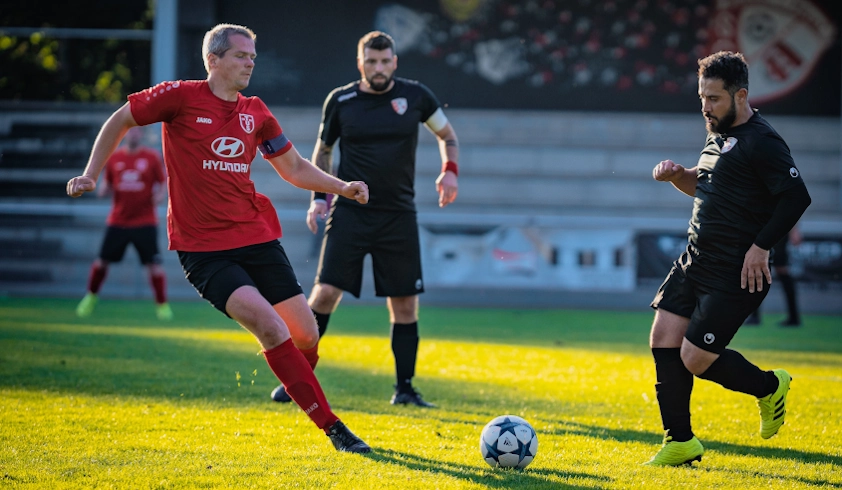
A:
{"points": [[323, 160], [302, 174], [323, 157], [109, 137], [791, 205], [448, 144], [686, 183]]}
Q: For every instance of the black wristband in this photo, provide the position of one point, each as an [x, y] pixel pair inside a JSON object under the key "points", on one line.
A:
{"points": [[320, 195]]}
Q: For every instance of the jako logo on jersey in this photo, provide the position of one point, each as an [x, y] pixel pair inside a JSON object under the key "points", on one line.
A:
{"points": [[730, 143], [418, 284], [709, 338], [793, 172], [204, 120], [228, 147], [247, 122], [399, 105]]}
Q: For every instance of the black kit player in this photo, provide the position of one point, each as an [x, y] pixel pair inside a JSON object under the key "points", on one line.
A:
{"points": [[376, 122], [748, 194], [226, 234]]}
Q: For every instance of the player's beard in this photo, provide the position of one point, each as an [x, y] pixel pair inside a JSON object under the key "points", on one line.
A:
{"points": [[379, 86], [724, 124]]}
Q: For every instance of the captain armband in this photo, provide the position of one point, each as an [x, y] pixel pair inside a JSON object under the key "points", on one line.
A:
{"points": [[437, 121]]}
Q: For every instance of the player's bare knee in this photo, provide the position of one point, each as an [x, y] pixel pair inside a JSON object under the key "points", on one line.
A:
{"points": [[403, 309], [306, 339], [271, 335], [696, 360], [324, 298], [663, 337]]}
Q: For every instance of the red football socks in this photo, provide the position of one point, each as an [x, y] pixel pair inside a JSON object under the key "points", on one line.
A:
{"points": [[312, 355], [96, 277], [159, 285], [292, 368]]}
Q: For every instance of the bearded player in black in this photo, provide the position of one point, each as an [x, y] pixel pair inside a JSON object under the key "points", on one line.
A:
{"points": [[748, 195], [376, 122]]}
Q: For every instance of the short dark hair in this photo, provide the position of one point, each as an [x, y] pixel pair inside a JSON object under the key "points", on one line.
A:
{"points": [[727, 66], [377, 40]]}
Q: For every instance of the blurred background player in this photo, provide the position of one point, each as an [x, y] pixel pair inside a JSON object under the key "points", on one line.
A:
{"points": [[376, 122], [780, 264], [226, 233], [134, 175]]}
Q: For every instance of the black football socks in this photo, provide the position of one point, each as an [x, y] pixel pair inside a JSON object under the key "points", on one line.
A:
{"points": [[321, 321], [674, 386], [405, 349], [736, 373]]}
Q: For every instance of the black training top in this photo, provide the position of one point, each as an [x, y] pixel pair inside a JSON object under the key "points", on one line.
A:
{"points": [[378, 135], [740, 174]]}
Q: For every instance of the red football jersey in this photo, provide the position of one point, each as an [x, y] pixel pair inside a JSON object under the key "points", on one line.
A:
{"points": [[131, 177], [209, 145]]}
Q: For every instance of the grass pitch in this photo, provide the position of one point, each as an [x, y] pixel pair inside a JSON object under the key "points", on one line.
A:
{"points": [[121, 400]]}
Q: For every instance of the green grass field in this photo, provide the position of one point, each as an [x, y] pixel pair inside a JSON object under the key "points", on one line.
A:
{"points": [[123, 401]]}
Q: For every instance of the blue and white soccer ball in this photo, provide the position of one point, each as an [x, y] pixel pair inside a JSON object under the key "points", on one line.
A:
{"points": [[508, 441]]}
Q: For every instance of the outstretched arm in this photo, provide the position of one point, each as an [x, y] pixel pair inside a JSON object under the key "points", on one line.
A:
{"points": [[447, 183], [106, 142], [684, 179], [298, 171]]}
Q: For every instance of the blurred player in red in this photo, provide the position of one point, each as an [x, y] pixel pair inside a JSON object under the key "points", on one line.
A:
{"points": [[225, 232], [134, 175]]}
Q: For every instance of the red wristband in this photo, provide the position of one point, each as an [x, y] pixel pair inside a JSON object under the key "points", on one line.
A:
{"points": [[452, 166]]}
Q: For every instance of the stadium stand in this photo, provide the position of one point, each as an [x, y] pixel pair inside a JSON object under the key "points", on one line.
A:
{"points": [[517, 168]]}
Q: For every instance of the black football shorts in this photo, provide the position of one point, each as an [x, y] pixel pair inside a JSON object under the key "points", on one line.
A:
{"points": [[391, 237], [143, 238], [265, 266], [716, 312]]}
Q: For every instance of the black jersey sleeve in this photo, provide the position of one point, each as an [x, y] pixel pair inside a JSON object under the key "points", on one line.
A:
{"points": [[791, 205], [329, 128], [773, 162], [429, 102]]}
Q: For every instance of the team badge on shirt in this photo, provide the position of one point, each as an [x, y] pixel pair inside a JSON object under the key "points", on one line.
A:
{"points": [[247, 122], [399, 105], [730, 143]]}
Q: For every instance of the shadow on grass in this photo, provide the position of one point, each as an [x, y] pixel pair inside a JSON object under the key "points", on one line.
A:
{"points": [[607, 331], [489, 477], [141, 360], [181, 364], [629, 435]]}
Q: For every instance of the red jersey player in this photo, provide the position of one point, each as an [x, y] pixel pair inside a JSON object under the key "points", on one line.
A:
{"points": [[226, 233], [135, 176]]}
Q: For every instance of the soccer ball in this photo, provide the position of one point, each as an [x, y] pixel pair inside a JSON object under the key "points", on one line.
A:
{"points": [[508, 441]]}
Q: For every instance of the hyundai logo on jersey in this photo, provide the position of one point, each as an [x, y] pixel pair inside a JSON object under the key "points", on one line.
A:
{"points": [[228, 147]]}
